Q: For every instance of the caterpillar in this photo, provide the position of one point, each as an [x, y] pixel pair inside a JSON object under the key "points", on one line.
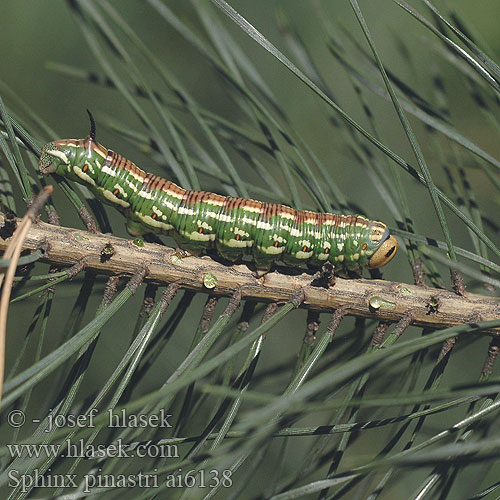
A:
{"points": [[200, 221]]}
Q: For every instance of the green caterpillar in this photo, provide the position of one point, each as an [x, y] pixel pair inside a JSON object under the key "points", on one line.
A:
{"points": [[200, 221]]}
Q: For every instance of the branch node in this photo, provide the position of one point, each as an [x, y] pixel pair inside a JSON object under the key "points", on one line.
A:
{"points": [[379, 333], [433, 304], [447, 346], [325, 277], [44, 247], [298, 298], [148, 301], [107, 252], [76, 268], [137, 279], [335, 320], [167, 296], [88, 220], [208, 312], [233, 303], [53, 217], [269, 312], [403, 323], [110, 290], [491, 357]]}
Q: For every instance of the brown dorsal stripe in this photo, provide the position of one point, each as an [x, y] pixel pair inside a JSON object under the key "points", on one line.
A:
{"points": [[230, 204], [148, 182], [120, 162], [212, 197], [299, 218], [248, 203], [193, 197]]}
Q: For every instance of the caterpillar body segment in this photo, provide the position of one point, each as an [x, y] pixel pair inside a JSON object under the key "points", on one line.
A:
{"points": [[234, 227]]}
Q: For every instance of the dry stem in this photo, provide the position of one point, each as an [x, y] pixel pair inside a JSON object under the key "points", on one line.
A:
{"points": [[382, 300], [13, 251]]}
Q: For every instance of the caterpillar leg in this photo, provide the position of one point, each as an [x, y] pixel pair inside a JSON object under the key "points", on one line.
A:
{"points": [[260, 272], [134, 228], [263, 263], [183, 253]]}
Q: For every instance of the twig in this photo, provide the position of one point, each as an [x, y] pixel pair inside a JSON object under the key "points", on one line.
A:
{"points": [[269, 312], [167, 297], [491, 357], [447, 347], [88, 220], [406, 320], [382, 300], [335, 320], [379, 333], [109, 291], [208, 312]]}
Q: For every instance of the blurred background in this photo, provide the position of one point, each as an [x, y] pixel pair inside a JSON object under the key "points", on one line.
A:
{"points": [[40, 39], [45, 33]]}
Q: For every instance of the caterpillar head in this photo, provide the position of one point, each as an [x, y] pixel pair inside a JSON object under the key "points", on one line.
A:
{"points": [[57, 156], [61, 156], [385, 252]]}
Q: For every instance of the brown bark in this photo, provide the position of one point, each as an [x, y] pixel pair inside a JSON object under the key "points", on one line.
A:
{"points": [[382, 300]]}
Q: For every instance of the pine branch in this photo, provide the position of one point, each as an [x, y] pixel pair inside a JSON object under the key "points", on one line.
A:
{"points": [[378, 299]]}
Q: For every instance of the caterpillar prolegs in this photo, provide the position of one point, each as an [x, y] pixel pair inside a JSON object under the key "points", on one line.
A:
{"points": [[201, 221]]}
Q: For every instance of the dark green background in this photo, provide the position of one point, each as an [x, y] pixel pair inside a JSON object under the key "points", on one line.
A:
{"points": [[35, 32]]}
